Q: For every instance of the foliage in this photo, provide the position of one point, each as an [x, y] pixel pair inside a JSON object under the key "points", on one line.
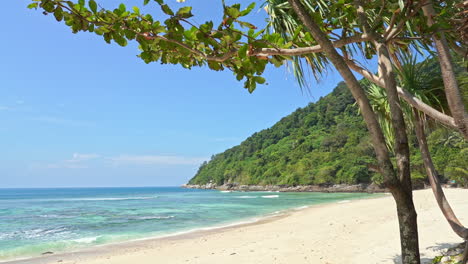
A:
{"points": [[322, 143], [172, 37]]}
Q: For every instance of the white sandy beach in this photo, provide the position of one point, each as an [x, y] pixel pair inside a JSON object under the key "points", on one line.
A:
{"points": [[359, 231]]}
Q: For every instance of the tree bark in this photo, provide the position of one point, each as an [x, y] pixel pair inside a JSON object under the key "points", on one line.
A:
{"points": [[407, 216], [407, 96], [452, 91], [444, 205], [405, 207], [402, 152], [407, 220]]}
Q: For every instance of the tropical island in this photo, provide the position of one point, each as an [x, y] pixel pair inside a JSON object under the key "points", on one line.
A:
{"points": [[396, 123]]}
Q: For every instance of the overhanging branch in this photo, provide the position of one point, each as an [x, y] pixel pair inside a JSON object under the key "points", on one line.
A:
{"points": [[407, 96]]}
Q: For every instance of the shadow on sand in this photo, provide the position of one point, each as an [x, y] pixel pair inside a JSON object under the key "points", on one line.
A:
{"points": [[439, 248]]}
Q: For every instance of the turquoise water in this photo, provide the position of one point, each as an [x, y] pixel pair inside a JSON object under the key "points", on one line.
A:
{"points": [[33, 221]]}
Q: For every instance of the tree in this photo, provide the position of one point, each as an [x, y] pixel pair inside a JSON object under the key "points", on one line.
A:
{"points": [[419, 79], [370, 28]]}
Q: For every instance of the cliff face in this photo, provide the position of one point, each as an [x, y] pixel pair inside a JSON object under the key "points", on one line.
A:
{"points": [[325, 142]]}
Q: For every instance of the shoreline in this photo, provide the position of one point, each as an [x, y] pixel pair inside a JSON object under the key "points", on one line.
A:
{"points": [[326, 188], [104, 249], [354, 231]]}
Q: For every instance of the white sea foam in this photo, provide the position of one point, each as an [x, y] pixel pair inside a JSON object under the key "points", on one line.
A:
{"points": [[247, 197], [301, 207], [154, 217], [53, 230], [270, 196], [86, 240], [226, 191], [107, 198], [36, 233], [344, 201]]}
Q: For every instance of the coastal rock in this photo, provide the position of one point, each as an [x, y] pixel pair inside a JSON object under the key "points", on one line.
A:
{"points": [[369, 188]]}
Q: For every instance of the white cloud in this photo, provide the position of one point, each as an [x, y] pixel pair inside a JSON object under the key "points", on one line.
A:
{"points": [[156, 160], [2, 108], [20, 102]]}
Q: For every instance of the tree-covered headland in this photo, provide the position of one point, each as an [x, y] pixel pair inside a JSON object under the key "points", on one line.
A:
{"points": [[327, 143]]}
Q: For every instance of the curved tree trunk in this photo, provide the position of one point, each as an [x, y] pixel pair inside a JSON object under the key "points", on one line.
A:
{"points": [[444, 205], [452, 91], [403, 197]]}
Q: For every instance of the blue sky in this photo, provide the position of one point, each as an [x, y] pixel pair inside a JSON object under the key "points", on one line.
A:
{"points": [[75, 111]]}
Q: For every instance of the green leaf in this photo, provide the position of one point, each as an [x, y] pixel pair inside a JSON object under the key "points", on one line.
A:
{"points": [[48, 6], [233, 12], [167, 10], [216, 66], [136, 10], [32, 5], [107, 37], [243, 51], [81, 2], [122, 8], [93, 6], [246, 24], [58, 13], [185, 12], [259, 79], [145, 2], [248, 9]]}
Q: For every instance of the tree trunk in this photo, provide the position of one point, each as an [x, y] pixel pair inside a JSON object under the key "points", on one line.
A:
{"points": [[406, 211], [407, 220], [444, 205], [403, 196], [452, 91], [402, 152]]}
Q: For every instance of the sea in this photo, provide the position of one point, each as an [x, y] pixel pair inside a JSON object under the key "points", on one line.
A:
{"points": [[34, 221]]}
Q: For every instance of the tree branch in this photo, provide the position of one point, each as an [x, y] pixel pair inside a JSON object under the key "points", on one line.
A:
{"points": [[407, 96], [394, 31], [307, 50]]}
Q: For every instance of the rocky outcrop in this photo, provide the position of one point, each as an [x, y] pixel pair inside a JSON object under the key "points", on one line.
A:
{"points": [[369, 188]]}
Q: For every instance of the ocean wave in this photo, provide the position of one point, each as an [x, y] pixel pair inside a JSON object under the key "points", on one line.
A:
{"points": [[344, 201], [246, 197], [154, 217], [36, 233], [106, 198], [55, 216], [86, 240], [270, 196], [225, 191]]}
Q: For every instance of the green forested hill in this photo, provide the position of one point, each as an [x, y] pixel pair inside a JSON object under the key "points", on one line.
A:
{"points": [[325, 142]]}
